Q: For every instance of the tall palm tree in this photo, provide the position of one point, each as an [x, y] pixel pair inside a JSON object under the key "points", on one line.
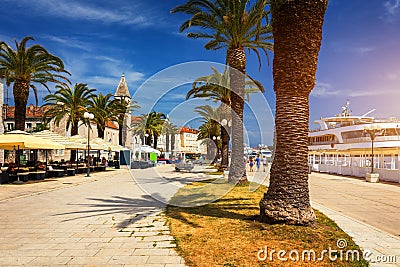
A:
{"points": [[104, 111], [235, 25], [25, 67], [139, 127], [295, 64], [169, 130], [155, 121], [150, 124], [69, 104], [121, 110], [210, 129], [216, 87]]}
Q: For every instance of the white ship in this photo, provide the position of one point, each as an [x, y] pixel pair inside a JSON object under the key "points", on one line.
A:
{"points": [[343, 145]]}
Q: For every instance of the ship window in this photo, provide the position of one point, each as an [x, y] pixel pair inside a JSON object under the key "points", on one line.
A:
{"points": [[352, 134]]}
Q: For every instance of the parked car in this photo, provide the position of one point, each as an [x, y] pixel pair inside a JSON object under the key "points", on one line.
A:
{"points": [[166, 161], [184, 166]]}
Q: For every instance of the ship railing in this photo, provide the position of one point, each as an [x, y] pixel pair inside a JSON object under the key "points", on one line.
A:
{"points": [[367, 139]]}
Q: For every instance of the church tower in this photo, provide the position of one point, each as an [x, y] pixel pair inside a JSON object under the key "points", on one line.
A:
{"points": [[122, 94]]}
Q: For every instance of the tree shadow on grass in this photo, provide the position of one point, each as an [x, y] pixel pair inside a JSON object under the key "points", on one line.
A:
{"points": [[230, 207]]}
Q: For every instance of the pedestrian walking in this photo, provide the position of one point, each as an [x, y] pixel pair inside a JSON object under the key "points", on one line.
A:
{"points": [[265, 163], [251, 164], [258, 162]]}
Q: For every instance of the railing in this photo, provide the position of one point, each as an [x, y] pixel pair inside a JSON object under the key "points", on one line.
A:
{"points": [[384, 174], [367, 139]]}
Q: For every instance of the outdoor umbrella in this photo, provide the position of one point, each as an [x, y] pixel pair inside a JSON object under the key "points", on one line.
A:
{"points": [[149, 149], [49, 135], [23, 140]]}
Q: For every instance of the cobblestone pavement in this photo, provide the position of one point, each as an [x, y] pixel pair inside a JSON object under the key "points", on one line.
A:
{"points": [[368, 212], [115, 218], [102, 220]]}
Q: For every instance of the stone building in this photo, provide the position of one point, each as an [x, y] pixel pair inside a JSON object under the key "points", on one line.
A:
{"points": [[122, 93]]}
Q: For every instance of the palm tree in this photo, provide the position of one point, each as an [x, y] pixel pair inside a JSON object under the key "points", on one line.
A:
{"points": [[121, 108], [155, 122], [169, 130], [216, 86], [210, 129], [150, 124], [103, 109], [235, 25], [69, 104], [295, 64], [25, 67]]}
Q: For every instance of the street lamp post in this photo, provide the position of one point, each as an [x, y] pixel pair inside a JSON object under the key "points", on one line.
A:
{"points": [[88, 116], [373, 130], [216, 140]]}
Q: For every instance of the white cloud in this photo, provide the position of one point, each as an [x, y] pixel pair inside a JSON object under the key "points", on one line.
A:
{"points": [[392, 6], [363, 49], [68, 42], [393, 76], [84, 11], [324, 90], [370, 92]]}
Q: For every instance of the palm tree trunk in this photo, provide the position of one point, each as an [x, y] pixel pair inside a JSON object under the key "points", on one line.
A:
{"points": [[167, 142], [224, 136], [236, 58], [155, 141], [295, 63], [100, 132], [74, 131], [21, 94], [120, 134], [172, 143]]}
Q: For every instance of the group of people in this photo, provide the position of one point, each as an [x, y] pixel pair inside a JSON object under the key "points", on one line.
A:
{"points": [[256, 161]]}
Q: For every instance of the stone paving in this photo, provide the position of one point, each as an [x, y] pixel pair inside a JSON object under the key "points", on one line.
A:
{"points": [[104, 220], [116, 219], [368, 212]]}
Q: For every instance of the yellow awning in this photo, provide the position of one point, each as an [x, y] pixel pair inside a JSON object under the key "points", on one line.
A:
{"points": [[23, 140]]}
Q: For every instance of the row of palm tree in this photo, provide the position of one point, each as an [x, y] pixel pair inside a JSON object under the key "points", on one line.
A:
{"points": [[234, 26], [150, 126], [210, 131], [24, 67], [296, 30], [216, 87]]}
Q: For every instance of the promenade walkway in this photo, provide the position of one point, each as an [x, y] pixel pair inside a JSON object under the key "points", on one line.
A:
{"points": [[113, 219], [368, 212], [104, 220]]}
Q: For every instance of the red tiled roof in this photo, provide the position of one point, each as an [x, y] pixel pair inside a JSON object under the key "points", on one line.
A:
{"points": [[135, 119], [31, 111], [188, 130], [112, 125]]}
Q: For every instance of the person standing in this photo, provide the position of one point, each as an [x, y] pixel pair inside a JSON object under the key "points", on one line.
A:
{"points": [[258, 162], [251, 164], [265, 163]]}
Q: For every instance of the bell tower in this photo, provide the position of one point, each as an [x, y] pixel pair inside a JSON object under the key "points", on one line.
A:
{"points": [[123, 95]]}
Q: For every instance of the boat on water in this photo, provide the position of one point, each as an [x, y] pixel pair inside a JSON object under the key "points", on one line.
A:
{"points": [[343, 145]]}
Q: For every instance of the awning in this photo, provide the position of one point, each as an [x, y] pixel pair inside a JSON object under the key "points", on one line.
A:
{"points": [[149, 149], [23, 140], [49, 135], [83, 141]]}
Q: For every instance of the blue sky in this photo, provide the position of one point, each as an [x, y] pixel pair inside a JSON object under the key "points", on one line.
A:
{"points": [[99, 40]]}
